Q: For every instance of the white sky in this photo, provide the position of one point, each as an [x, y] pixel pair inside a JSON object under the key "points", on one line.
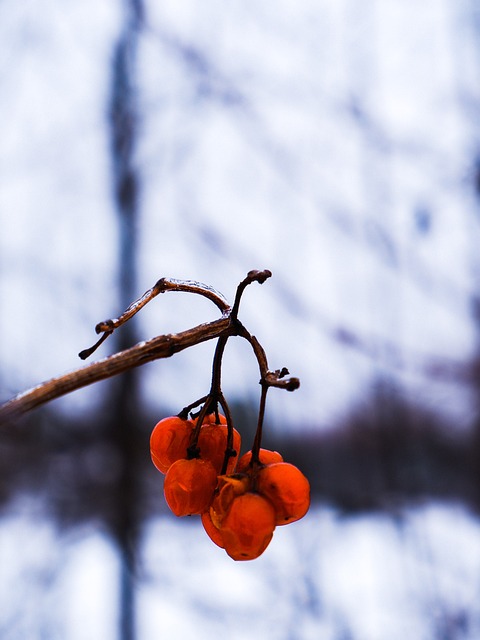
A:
{"points": [[331, 142], [313, 139]]}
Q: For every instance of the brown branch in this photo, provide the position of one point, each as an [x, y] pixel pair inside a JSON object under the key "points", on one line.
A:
{"points": [[268, 378], [160, 347], [161, 286]]}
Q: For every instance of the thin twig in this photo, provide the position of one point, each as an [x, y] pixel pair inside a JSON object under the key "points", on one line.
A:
{"points": [[252, 276], [269, 378], [258, 434], [107, 327]]}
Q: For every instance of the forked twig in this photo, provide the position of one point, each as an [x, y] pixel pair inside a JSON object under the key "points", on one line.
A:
{"points": [[161, 286]]}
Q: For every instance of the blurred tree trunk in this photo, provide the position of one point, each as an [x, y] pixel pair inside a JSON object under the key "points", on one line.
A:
{"points": [[123, 404], [475, 450]]}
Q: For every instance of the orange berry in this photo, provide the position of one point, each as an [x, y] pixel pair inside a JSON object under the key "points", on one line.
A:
{"points": [[265, 456], [169, 441], [248, 526], [228, 488], [287, 489], [211, 418], [213, 533], [189, 486], [212, 443]]}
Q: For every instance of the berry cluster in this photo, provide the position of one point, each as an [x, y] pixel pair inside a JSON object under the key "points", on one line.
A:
{"points": [[191, 459], [240, 503]]}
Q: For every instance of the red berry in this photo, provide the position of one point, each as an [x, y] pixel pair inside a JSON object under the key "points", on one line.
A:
{"points": [[228, 488], [265, 456], [213, 533], [169, 441], [212, 443], [189, 486], [287, 489], [248, 526], [211, 418]]}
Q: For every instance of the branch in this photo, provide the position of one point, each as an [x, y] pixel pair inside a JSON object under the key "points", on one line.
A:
{"points": [[160, 347], [107, 327]]}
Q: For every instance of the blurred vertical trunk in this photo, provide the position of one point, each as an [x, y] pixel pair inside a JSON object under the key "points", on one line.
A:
{"points": [[474, 15], [123, 402], [475, 450]]}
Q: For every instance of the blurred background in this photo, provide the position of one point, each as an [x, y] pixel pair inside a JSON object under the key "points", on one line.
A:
{"points": [[335, 143]]}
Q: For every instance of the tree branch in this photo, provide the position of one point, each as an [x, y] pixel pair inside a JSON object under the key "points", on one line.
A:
{"points": [[160, 347]]}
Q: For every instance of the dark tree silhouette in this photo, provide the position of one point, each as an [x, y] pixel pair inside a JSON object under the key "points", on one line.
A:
{"points": [[123, 423]]}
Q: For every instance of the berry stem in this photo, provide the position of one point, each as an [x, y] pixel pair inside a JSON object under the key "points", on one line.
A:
{"points": [[270, 378], [229, 450], [215, 387], [193, 450], [216, 397], [257, 443], [186, 410]]}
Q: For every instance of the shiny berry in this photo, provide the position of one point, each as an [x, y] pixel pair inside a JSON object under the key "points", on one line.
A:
{"points": [[248, 526], [265, 456], [213, 533], [287, 489], [169, 441], [189, 486], [228, 488], [212, 443]]}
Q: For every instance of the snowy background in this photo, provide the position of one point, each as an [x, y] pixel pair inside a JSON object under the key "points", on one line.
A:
{"points": [[335, 143], [329, 578]]}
